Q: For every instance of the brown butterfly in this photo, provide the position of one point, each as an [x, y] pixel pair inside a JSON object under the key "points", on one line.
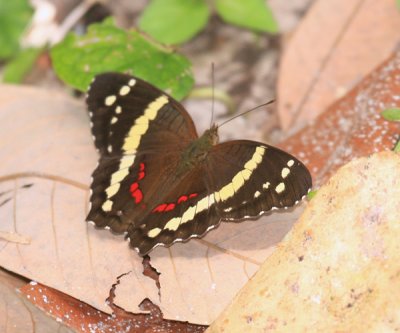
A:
{"points": [[160, 183]]}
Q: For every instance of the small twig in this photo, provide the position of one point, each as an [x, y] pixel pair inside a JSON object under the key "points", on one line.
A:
{"points": [[73, 17], [14, 237]]}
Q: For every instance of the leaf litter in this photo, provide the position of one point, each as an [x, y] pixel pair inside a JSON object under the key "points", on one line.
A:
{"points": [[72, 257]]}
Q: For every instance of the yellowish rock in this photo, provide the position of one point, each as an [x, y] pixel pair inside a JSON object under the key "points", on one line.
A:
{"points": [[338, 270]]}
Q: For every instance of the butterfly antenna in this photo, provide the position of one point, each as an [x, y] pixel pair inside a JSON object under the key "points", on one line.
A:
{"points": [[212, 94], [245, 112]]}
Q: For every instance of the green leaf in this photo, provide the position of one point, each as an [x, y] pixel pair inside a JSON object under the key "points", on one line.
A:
{"points": [[391, 114], [251, 14], [14, 16], [174, 21], [18, 67], [397, 147], [398, 3], [77, 59], [311, 194]]}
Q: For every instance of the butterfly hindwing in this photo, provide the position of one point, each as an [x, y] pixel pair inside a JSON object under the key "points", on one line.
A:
{"points": [[155, 203], [181, 209], [250, 178]]}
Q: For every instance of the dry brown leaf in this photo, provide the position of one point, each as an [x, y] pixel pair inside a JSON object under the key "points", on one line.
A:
{"points": [[337, 270], [19, 316], [334, 47], [353, 126], [84, 318], [47, 158]]}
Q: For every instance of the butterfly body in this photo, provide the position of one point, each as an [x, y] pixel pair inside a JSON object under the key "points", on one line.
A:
{"points": [[196, 152], [160, 183]]}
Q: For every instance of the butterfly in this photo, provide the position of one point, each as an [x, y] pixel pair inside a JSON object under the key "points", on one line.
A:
{"points": [[158, 182]]}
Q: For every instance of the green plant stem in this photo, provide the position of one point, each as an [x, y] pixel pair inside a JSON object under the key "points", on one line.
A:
{"points": [[220, 95]]}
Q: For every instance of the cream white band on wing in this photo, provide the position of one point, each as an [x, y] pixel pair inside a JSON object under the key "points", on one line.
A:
{"points": [[223, 194], [130, 145]]}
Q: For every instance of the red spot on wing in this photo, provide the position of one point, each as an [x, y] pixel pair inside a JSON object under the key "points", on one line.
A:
{"points": [[137, 195], [170, 206], [134, 187], [136, 192], [160, 208], [166, 207], [182, 198]]}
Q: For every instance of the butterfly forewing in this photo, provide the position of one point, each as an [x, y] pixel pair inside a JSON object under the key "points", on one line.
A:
{"points": [[119, 203], [121, 106], [132, 123]]}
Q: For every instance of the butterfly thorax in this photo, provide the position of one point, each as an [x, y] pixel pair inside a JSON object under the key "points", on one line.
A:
{"points": [[196, 152]]}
